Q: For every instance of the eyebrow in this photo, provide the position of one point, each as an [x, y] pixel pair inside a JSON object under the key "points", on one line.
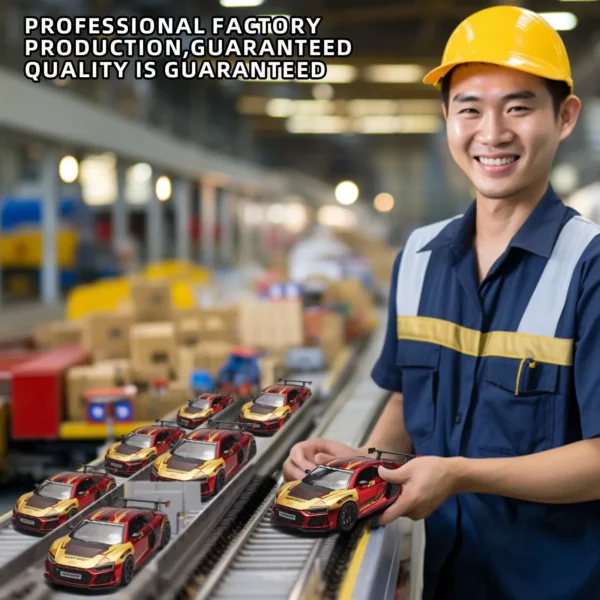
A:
{"points": [[520, 95]]}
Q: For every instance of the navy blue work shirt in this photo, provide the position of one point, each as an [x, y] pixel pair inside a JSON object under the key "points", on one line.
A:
{"points": [[461, 402]]}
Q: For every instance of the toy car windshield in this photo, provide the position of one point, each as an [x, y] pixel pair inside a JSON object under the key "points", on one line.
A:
{"points": [[271, 400], [200, 403], [137, 440], [331, 479], [196, 450]]}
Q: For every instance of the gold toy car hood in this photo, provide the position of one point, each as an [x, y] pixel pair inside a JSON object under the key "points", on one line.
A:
{"points": [[256, 412], [302, 496], [123, 452], [189, 412], [69, 552], [39, 506], [184, 469]]}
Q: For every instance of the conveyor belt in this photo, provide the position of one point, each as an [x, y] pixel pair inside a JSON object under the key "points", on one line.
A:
{"points": [[287, 573], [37, 549]]}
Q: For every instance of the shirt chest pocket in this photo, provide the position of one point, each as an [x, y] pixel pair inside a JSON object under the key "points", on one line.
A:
{"points": [[515, 409], [419, 364]]}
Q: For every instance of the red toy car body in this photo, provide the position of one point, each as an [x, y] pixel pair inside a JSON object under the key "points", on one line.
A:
{"points": [[210, 455], [141, 447], [106, 548], [203, 408], [59, 498], [269, 411], [335, 495]]}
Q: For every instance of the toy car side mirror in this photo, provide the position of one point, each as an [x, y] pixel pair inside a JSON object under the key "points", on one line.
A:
{"points": [[307, 471], [136, 536], [227, 453], [363, 482]]}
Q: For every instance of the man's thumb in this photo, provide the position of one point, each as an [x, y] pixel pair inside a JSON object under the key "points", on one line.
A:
{"points": [[399, 475]]}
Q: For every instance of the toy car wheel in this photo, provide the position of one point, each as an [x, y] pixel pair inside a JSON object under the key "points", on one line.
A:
{"points": [[347, 517], [220, 482], [252, 450], [127, 572], [166, 535]]}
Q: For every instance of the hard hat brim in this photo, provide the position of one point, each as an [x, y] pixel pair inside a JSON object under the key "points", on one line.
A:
{"points": [[517, 62]]}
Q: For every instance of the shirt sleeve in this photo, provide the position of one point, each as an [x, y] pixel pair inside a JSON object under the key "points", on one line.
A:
{"points": [[385, 373], [586, 360]]}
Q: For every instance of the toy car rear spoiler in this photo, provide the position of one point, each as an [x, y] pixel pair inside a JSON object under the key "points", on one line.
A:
{"points": [[295, 382], [232, 424], [93, 468], [406, 457], [168, 423], [156, 503]]}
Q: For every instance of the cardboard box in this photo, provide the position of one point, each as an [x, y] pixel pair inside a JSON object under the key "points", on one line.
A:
{"points": [[220, 324], [188, 330], [271, 324], [212, 356], [106, 335], [87, 377], [333, 336], [151, 299], [58, 333], [153, 349], [272, 369], [149, 406]]}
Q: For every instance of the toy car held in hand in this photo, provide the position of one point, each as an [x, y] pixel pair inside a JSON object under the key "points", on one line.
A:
{"points": [[141, 447], [106, 549], [335, 495], [202, 408], [59, 498], [269, 411], [211, 455]]}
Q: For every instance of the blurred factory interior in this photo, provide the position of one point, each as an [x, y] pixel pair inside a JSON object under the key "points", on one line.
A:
{"points": [[104, 179]]}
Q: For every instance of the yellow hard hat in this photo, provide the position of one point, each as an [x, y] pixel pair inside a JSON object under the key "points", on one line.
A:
{"points": [[507, 36]]}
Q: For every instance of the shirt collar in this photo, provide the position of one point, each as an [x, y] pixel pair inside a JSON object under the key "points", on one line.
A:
{"points": [[537, 235]]}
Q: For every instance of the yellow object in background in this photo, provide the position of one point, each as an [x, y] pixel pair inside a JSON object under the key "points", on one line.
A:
{"points": [[23, 248], [112, 294], [177, 269]]}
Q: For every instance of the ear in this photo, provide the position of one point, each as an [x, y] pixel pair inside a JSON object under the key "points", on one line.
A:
{"points": [[445, 111], [568, 115]]}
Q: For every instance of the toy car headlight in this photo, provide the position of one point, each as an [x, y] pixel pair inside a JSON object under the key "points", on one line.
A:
{"points": [[317, 510], [51, 558], [107, 566]]}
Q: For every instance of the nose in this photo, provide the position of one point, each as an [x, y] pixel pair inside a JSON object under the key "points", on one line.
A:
{"points": [[493, 129]]}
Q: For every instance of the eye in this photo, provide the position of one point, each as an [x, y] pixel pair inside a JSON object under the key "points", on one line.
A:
{"points": [[467, 111], [519, 109]]}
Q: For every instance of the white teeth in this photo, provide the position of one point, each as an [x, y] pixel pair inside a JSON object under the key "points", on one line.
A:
{"points": [[497, 162]]}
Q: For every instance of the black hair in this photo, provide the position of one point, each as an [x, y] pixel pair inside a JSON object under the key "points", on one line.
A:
{"points": [[559, 90]]}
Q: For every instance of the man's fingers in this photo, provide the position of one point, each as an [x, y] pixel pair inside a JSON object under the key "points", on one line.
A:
{"points": [[400, 475], [400, 508], [322, 457], [291, 471], [300, 460]]}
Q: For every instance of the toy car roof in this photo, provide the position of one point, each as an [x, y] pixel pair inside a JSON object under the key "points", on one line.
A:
{"points": [[351, 463], [159, 426], [114, 514], [70, 477], [207, 435]]}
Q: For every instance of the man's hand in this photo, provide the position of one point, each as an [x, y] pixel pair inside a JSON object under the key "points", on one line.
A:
{"points": [[427, 482], [310, 453]]}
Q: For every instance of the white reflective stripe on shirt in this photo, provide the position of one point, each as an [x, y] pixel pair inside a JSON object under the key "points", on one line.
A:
{"points": [[548, 300], [413, 266]]}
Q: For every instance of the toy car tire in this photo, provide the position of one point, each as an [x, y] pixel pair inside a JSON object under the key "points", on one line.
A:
{"points": [[128, 570], [166, 535], [219, 482], [252, 451], [71, 514], [347, 517]]}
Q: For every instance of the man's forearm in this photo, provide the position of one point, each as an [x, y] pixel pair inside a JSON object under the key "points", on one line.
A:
{"points": [[562, 475], [389, 432]]}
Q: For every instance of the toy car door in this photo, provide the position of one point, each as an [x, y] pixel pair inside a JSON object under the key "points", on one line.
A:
{"points": [[161, 442], [292, 401], [368, 487], [217, 404], [138, 537], [84, 492], [228, 454]]}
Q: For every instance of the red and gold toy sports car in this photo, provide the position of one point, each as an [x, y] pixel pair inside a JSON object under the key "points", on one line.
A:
{"points": [[59, 498], [268, 412], [210, 455], [106, 548], [202, 408], [335, 495], [141, 447]]}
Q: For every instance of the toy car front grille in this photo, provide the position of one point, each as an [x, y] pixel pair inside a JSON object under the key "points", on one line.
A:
{"points": [[28, 521], [72, 575], [103, 578], [289, 516]]}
